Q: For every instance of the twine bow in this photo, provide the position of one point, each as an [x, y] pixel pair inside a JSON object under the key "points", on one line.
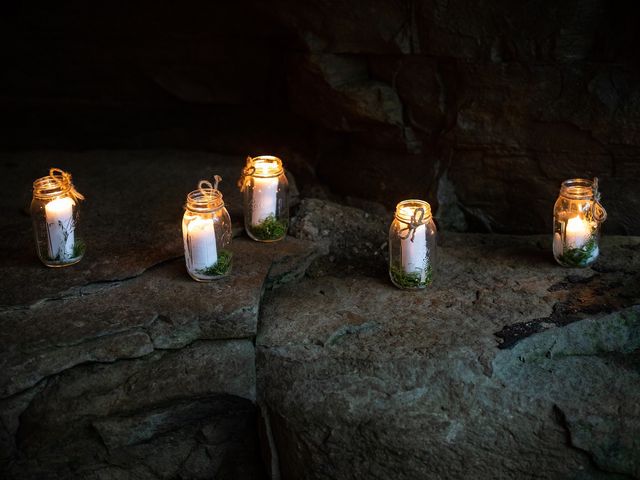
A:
{"points": [[63, 179], [247, 171], [413, 224], [597, 210], [206, 188]]}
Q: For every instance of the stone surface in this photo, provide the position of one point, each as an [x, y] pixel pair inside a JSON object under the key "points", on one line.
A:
{"points": [[139, 194], [347, 99], [510, 367], [133, 370], [161, 309], [147, 416], [136, 194], [508, 361], [122, 366], [355, 239]]}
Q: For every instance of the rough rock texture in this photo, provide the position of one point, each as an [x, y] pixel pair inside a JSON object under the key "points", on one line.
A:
{"points": [[161, 309], [509, 366], [355, 240], [139, 194], [504, 101], [122, 366]]}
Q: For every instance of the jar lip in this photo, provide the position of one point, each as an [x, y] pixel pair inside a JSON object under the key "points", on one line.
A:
{"points": [[401, 210], [577, 188], [204, 200], [271, 166], [49, 187]]}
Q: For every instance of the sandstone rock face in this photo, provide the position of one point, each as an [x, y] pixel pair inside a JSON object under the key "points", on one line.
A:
{"points": [[122, 366], [508, 367]]}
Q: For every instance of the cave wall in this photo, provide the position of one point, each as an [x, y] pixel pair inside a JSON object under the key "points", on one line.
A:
{"points": [[482, 108]]}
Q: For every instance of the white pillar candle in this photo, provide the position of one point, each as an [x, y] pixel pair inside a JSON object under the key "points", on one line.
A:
{"points": [[414, 254], [60, 228], [577, 232], [265, 197], [201, 243]]}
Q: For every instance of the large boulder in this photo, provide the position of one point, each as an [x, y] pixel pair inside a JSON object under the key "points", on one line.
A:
{"points": [[509, 366], [122, 366]]}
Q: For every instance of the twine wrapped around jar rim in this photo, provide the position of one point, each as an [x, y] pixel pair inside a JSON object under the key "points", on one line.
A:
{"points": [[420, 216], [413, 224], [206, 197], [250, 169], [585, 189], [247, 171], [59, 179]]}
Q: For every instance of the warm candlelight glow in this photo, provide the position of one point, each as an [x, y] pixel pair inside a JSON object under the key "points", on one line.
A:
{"points": [[59, 215], [201, 238], [577, 232], [577, 216], [407, 212], [54, 212], [414, 247], [266, 168], [265, 196], [265, 190], [206, 233], [412, 244]]}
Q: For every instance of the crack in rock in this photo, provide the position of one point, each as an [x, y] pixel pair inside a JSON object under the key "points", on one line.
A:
{"points": [[586, 296]]}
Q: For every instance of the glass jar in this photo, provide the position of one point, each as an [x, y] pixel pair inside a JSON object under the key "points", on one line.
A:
{"points": [[206, 233], [265, 191], [55, 214], [577, 216], [412, 245]]}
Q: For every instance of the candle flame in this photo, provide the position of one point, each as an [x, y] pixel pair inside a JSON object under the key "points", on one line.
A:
{"points": [[266, 168], [577, 225], [407, 211], [60, 204]]}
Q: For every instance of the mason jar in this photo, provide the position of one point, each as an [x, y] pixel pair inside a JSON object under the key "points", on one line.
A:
{"points": [[55, 213], [265, 193], [412, 245], [206, 233], [577, 216]]}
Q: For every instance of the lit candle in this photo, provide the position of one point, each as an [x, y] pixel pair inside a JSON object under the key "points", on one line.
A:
{"points": [[414, 253], [577, 232], [265, 194], [201, 240], [60, 228]]}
